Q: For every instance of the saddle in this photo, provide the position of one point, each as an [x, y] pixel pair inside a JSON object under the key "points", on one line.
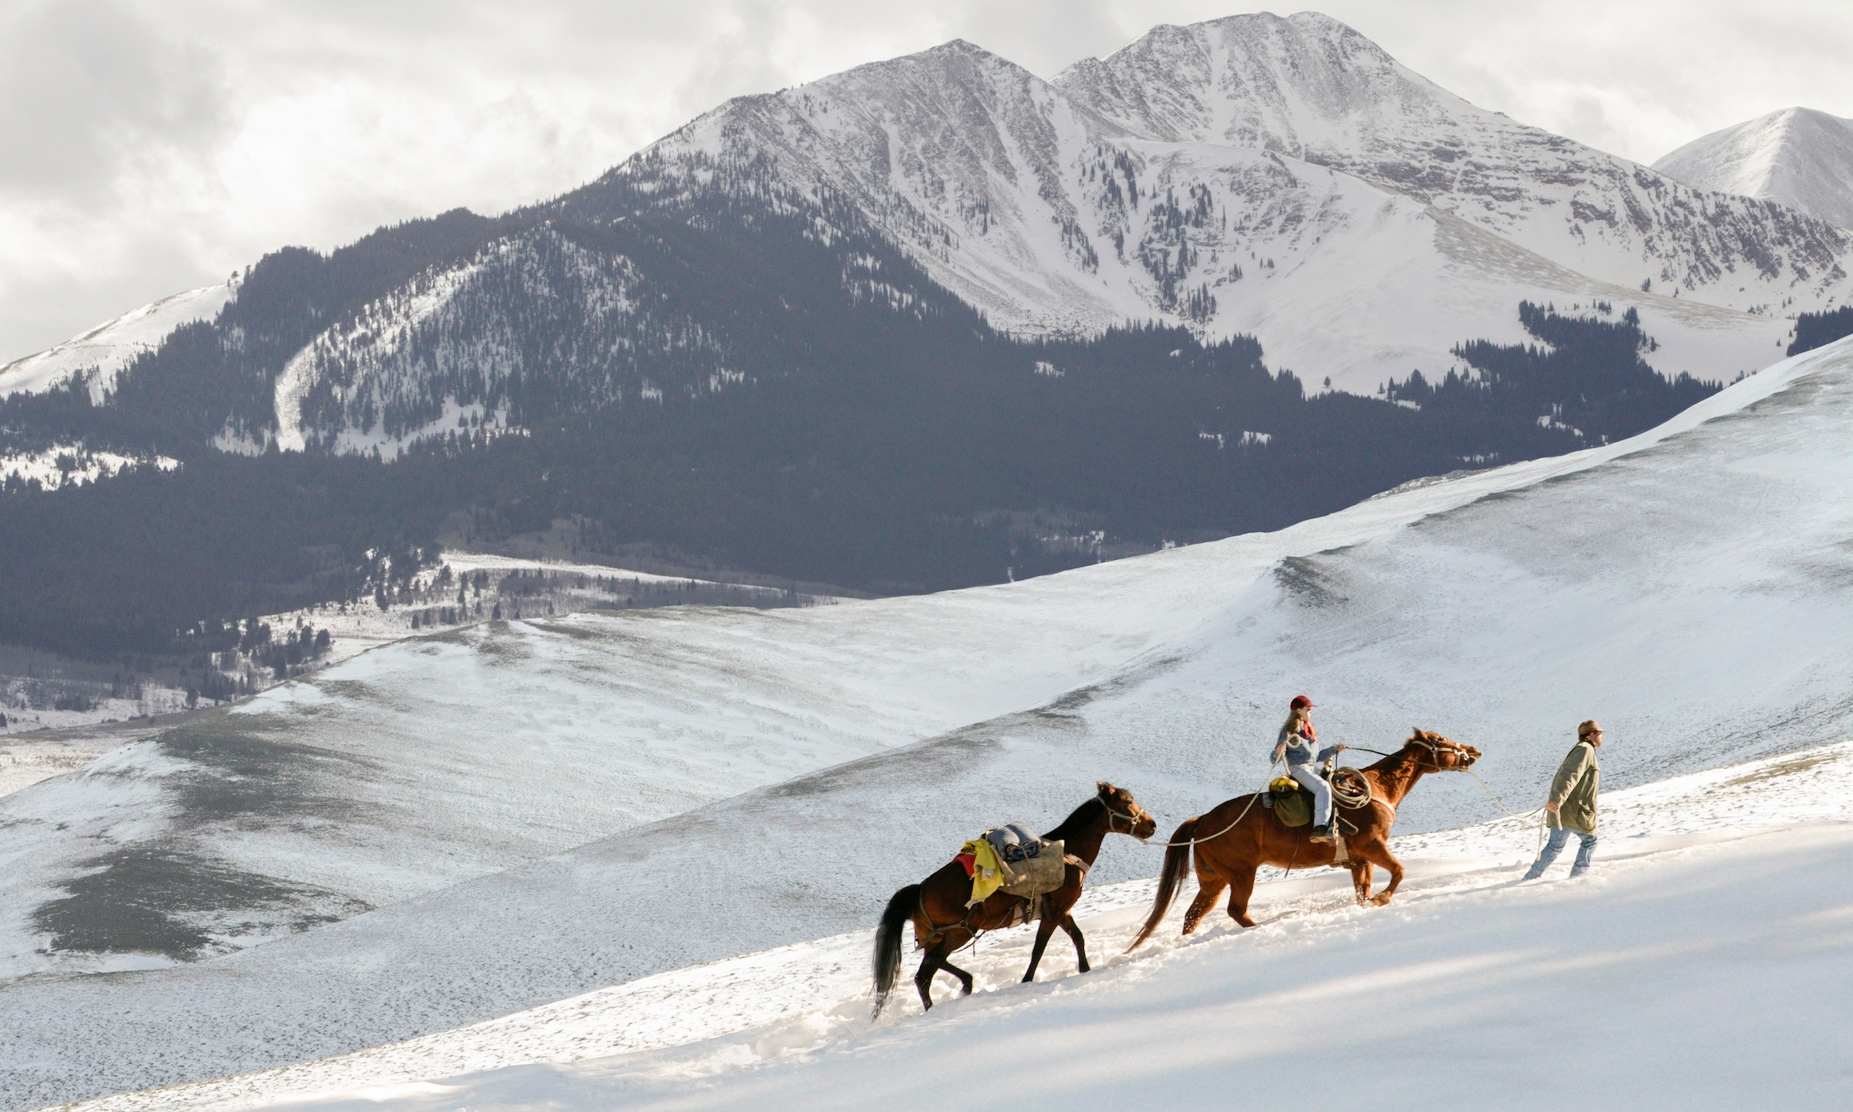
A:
{"points": [[1293, 805]]}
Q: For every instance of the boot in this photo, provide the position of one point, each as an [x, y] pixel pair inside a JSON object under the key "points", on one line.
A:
{"points": [[1322, 833]]}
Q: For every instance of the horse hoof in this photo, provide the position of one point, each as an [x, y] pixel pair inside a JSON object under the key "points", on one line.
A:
{"points": [[1381, 901]]}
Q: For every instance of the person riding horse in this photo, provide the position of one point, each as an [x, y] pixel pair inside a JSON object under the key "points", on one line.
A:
{"points": [[1297, 739]]}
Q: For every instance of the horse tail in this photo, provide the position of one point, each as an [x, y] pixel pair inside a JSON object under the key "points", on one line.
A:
{"points": [[1177, 859], [888, 941]]}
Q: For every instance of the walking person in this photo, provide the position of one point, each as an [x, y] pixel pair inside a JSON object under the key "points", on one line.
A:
{"points": [[1297, 741], [1572, 805]]}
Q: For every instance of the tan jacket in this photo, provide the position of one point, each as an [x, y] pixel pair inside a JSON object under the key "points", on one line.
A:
{"points": [[1573, 789]]}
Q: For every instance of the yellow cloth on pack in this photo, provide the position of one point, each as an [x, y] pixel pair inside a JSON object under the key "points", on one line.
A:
{"points": [[987, 875]]}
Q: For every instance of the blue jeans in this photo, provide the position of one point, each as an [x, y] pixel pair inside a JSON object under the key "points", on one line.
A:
{"points": [[1554, 846], [1309, 778]]}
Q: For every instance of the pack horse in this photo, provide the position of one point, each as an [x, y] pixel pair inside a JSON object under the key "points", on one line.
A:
{"points": [[945, 918]]}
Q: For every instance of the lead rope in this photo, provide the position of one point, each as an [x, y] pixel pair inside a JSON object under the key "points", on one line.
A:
{"points": [[1252, 800], [1538, 811]]}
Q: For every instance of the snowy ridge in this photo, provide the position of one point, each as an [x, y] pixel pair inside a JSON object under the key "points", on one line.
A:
{"points": [[101, 354], [795, 1018], [1797, 157], [1685, 586]]}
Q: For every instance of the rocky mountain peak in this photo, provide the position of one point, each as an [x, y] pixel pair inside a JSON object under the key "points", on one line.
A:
{"points": [[1799, 157]]}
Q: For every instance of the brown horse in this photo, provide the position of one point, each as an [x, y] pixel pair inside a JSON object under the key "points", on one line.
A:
{"points": [[943, 923], [1241, 837]]}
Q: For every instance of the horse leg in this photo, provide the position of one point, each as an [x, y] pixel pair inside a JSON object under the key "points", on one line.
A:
{"points": [[1241, 887], [1044, 929], [1379, 854], [930, 964], [1361, 878], [1209, 890], [965, 979], [1080, 944]]}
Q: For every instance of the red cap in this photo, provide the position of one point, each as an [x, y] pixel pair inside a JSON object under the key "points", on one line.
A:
{"points": [[1302, 701]]}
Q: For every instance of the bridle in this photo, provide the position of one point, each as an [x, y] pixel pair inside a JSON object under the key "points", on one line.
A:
{"points": [[1132, 821], [1435, 749]]}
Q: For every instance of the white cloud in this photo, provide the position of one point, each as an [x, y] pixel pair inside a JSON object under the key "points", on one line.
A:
{"points": [[150, 147]]}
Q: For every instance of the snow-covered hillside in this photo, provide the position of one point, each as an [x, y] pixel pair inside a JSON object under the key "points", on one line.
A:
{"points": [[1796, 157], [1687, 587], [1717, 918], [100, 354]]}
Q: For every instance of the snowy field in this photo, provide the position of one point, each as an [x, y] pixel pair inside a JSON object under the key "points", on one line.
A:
{"points": [[521, 813], [1708, 954]]}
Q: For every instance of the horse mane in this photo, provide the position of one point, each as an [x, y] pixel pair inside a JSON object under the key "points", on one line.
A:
{"points": [[1077, 820], [1384, 764]]}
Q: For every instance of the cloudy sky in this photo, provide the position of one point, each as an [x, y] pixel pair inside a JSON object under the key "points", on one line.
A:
{"points": [[151, 146]]}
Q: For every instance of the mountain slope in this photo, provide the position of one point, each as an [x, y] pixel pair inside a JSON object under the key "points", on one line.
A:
{"points": [[1686, 587], [1796, 157]]}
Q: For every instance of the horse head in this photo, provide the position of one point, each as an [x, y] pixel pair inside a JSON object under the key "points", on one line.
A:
{"points": [[1124, 815], [1439, 753]]}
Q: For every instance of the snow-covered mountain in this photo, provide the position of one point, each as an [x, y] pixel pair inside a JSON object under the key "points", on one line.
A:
{"points": [[1312, 88], [1796, 157], [1686, 587], [1284, 178]]}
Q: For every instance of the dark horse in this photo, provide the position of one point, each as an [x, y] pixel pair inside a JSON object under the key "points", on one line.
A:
{"points": [[1240, 836], [943, 924]]}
